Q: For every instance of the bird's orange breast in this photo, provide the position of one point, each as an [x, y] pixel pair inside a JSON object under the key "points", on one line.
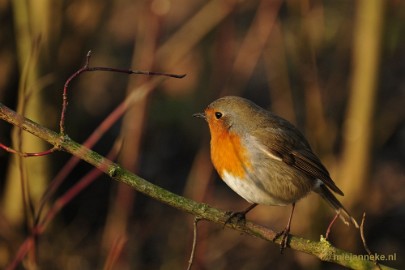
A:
{"points": [[228, 153]]}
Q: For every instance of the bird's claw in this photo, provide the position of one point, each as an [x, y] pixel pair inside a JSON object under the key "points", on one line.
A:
{"points": [[240, 217], [284, 240]]}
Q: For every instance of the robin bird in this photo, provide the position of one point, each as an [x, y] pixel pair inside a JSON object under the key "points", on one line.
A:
{"points": [[265, 159]]}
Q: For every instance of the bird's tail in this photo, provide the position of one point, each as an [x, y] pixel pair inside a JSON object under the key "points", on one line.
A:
{"points": [[328, 196]]}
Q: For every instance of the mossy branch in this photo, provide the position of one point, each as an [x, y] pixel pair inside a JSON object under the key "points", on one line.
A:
{"points": [[322, 249]]}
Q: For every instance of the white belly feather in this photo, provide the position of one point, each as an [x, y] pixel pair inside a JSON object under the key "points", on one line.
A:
{"points": [[248, 190]]}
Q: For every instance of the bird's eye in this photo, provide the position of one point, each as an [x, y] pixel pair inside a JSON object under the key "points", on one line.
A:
{"points": [[218, 115]]}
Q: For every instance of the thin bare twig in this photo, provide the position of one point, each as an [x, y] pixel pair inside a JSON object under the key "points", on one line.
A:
{"points": [[26, 95], [27, 154], [363, 239], [190, 261], [87, 68]]}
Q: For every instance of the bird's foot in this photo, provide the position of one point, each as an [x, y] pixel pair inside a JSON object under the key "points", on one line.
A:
{"points": [[284, 240], [330, 226], [239, 216]]}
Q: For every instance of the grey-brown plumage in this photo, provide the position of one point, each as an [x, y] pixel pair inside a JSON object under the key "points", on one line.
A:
{"points": [[281, 167]]}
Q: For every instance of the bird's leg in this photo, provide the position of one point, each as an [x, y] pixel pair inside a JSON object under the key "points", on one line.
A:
{"points": [[239, 215], [285, 232], [331, 224]]}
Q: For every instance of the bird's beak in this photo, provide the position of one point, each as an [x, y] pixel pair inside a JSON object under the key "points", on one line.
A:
{"points": [[200, 115]]}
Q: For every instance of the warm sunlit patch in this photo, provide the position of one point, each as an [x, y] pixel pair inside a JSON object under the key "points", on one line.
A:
{"points": [[228, 154]]}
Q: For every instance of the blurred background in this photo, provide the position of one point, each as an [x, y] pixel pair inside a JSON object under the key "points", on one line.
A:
{"points": [[333, 68]]}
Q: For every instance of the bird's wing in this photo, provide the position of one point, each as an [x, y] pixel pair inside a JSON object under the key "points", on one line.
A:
{"points": [[306, 161], [287, 144]]}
